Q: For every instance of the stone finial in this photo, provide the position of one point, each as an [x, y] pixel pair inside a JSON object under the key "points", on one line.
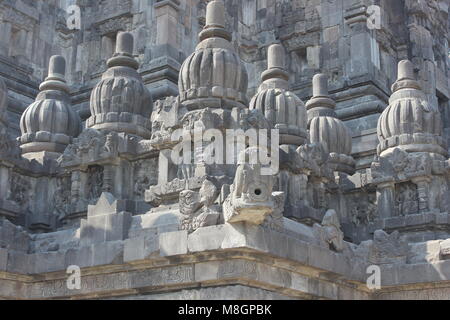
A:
{"points": [[49, 124], [405, 78], [405, 70], [320, 85], [215, 25], [276, 57], [320, 104], [276, 67], [326, 129], [411, 121], [120, 102], [282, 108], [214, 75], [215, 14], [124, 43], [57, 68], [123, 57], [56, 75]]}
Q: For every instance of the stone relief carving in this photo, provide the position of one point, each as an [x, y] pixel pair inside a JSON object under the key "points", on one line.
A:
{"points": [[410, 172], [165, 119], [199, 208], [20, 190], [94, 183], [388, 248], [329, 232], [364, 210], [61, 196], [145, 175], [90, 146], [407, 200]]}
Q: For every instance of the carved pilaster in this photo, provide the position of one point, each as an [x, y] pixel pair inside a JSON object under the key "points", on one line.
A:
{"points": [[76, 186], [386, 200], [423, 191], [108, 178]]}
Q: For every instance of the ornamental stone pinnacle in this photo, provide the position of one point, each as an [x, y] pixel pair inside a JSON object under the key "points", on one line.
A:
{"points": [[410, 122], [49, 124], [284, 110], [326, 129], [120, 102], [214, 75]]}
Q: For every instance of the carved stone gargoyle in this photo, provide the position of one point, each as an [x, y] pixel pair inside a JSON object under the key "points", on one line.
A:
{"points": [[251, 199]]}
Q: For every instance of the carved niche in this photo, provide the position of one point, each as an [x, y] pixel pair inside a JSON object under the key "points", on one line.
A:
{"points": [[94, 184], [406, 199], [145, 175]]}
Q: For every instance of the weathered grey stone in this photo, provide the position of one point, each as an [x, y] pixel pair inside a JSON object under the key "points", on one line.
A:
{"points": [[108, 253], [214, 74], [173, 243], [110, 200], [142, 247], [207, 271], [105, 222], [57, 123], [3, 259], [121, 81], [80, 256], [18, 262], [424, 252], [326, 129], [47, 262], [208, 238], [103, 228], [251, 199], [240, 235], [285, 111]]}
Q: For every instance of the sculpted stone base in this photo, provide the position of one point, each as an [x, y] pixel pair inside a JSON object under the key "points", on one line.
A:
{"points": [[219, 262]]}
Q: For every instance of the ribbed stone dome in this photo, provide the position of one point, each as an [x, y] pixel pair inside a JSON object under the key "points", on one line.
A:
{"points": [[284, 110], [326, 129], [332, 133], [410, 122], [120, 101], [3, 101], [214, 75], [50, 123]]}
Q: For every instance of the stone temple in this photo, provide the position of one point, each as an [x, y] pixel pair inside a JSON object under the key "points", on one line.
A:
{"points": [[92, 93]]}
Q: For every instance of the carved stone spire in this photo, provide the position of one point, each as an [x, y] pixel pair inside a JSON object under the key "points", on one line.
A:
{"points": [[320, 104], [120, 102], [284, 110], [214, 75], [325, 128], [410, 122], [49, 124]]}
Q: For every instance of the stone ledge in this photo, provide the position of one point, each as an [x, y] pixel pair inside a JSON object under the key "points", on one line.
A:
{"points": [[166, 278]]}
